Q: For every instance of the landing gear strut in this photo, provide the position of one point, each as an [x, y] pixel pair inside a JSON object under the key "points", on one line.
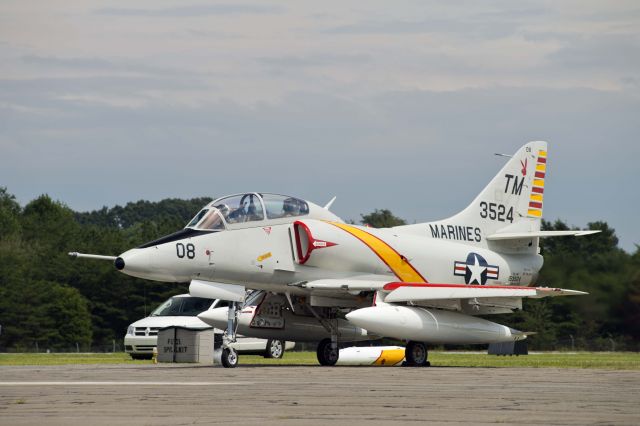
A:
{"points": [[327, 352], [229, 356], [416, 354]]}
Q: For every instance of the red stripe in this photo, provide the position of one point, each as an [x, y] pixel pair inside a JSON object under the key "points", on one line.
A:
{"points": [[461, 268], [542, 160], [540, 175], [535, 205], [537, 189], [395, 285]]}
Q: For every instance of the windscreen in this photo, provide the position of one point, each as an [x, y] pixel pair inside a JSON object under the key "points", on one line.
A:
{"points": [[211, 221], [197, 218]]}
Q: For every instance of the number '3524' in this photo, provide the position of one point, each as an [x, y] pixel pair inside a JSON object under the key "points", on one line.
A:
{"points": [[494, 211]]}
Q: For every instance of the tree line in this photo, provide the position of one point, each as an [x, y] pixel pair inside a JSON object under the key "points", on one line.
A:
{"points": [[50, 301]]}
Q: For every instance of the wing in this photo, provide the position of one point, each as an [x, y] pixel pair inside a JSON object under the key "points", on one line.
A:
{"points": [[403, 292], [416, 292]]}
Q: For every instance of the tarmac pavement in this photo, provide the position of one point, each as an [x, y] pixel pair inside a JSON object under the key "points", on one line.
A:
{"points": [[270, 395]]}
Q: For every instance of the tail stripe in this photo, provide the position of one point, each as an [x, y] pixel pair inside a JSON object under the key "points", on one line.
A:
{"points": [[537, 191]]}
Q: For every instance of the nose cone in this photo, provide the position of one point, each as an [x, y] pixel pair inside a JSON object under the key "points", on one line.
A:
{"points": [[215, 317], [119, 264], [135, 262]]}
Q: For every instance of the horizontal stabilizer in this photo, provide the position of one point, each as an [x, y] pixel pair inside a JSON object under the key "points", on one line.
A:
{"points": [[538, 234], [413, 292]]}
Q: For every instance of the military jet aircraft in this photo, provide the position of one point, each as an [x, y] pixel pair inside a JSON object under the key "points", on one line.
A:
{"points": [[329, 281]]}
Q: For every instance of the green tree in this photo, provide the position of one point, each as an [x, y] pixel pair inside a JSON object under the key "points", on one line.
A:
{"points": [[53, 315], [9, 213], [382, 219]]}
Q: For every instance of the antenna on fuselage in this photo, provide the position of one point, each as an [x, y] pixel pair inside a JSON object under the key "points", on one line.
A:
{"points": [[328, 205], [497, 154]]}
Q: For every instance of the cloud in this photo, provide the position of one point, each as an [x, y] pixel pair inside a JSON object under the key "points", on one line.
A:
{"points": [[466, 22], [427, 26], [19, 87], [75, 63], [195, 10], [100, 65], [314, 60], [396, 106], [620, 53]]}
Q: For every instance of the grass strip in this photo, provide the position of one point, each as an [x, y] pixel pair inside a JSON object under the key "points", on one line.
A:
{"points": [[599, 360]]}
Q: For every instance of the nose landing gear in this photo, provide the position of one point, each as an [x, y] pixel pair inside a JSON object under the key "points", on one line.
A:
{"points": [[229, 356]]}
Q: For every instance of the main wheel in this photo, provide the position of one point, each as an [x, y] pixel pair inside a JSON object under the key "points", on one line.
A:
{"points": [[416, 354], [275, 349], [326, 354], [229, 358]]}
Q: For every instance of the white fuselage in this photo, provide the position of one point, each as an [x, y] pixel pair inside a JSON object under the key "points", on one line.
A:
{"points": [[268, 257]]}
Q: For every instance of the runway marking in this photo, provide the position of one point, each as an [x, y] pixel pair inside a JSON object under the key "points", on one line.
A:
{"points": [[123, 383]]}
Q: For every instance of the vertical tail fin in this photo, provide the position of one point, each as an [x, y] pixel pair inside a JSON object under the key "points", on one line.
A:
{"points": [[514, 197], [511, 202]]}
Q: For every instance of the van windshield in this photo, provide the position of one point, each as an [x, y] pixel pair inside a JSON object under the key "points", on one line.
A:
{"points": [[182, 307]]}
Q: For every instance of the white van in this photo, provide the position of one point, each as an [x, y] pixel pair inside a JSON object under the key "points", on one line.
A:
{"points": [[181, 310]]}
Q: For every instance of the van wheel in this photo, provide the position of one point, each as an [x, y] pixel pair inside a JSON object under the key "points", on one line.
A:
{"points": [[141, 356], [229, 358], [275, 349]]}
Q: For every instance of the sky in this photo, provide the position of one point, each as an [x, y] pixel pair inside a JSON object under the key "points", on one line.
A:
{"points": [[398, 105]]}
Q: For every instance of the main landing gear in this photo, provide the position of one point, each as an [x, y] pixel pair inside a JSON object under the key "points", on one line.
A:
{"points": [[416, 354], [229, 356], [328, 352]]}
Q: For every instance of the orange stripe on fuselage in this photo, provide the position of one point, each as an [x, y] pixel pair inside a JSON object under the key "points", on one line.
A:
{"points": [[397, 263]]}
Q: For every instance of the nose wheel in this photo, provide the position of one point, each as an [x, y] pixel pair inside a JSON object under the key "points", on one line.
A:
{"points": [[416, 354], [229, 358]]}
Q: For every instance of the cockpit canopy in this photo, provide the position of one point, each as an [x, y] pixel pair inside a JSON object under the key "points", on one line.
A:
{"points": [[249, 207]]}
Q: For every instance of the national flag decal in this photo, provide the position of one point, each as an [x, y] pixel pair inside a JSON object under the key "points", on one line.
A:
{"points": [[475, 270]]}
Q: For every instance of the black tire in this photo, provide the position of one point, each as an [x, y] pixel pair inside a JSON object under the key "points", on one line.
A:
{"points": [[229, 358], [326, 354], [141, 356], [275, 348], [416, 354]]}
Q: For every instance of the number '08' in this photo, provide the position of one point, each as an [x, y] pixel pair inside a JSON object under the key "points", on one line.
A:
{"points": [[189, 250]]}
